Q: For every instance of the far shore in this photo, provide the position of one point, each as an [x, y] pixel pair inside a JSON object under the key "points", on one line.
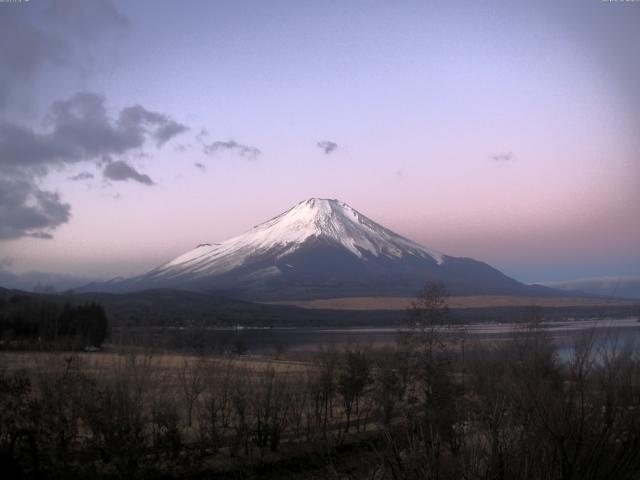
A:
{"points": [[471, 301]]}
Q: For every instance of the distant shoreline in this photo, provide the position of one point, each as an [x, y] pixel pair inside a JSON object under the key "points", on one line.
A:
{"points": [[470, 301]]}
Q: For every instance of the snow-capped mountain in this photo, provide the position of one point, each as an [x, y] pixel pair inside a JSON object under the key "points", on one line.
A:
{"points": [[318, 248]]}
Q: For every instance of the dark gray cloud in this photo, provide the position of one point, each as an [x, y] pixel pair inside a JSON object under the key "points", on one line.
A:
{"points": [[76, 129], [80, 129], [167, 131], [246, 151], [200, 166], [81, 176], [21, 147], [31, 47], [139, 121], [503, 157], [60, 33], [120, 171], [328, 146], [28, 211]]}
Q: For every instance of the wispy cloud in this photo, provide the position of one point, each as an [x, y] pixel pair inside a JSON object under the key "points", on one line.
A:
{"points": [[81, 176], [200, 166], [503, 157], [201, 135], [246, 151], [327, 146]]}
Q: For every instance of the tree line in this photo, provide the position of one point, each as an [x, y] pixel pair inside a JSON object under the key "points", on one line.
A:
{"points": [[28, 320]]}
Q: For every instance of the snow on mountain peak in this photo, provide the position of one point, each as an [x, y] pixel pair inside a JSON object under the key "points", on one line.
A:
{"points": [[337, 221], [315, 218]]}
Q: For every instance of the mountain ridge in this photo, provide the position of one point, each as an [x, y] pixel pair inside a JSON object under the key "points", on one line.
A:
{"points": [[320, 248]]}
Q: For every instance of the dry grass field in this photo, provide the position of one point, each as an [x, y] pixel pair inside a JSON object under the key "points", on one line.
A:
{"points": [[473, 301], [167, 365]]}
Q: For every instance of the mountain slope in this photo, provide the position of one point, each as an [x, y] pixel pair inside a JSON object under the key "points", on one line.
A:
{"points": [[607, 287], [320, 248]]}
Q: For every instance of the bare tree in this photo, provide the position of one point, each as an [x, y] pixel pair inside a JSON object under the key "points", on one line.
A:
{"points": [[388, 387], [353, 377], [192, 381], [217, 408], [240, 397], [270, 406], [322, 388]]}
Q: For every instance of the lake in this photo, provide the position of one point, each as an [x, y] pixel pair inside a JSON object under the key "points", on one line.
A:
{"points": [[312, 339]]}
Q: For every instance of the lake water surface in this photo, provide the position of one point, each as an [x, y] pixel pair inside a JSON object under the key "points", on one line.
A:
{"points": [[616, 332]]}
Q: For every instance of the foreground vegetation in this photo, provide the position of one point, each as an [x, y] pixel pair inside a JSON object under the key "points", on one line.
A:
{"points": [[435, 406]]}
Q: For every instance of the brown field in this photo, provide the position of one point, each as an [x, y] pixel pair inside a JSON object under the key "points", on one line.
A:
{"points": [[169, 364], [474, 301]]}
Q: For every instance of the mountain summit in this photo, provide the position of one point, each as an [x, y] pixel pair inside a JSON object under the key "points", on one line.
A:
{"points": [[319, 248], [313, 220]]}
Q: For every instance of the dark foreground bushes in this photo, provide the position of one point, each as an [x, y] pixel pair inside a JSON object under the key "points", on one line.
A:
{"points": [[432, 408], [522, 414]]}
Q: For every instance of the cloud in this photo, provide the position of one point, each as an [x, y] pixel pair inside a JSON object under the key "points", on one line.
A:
{"points": [[121, 171], [76, 36], [86, 19], [77, 129], [328, 146], [167, 131], [142, 121], [21, 147], [28, 211], [233, 146], [31, 47], [201, 134], [503, 157], [63, 35], [42, 235], [80, 129], [81, 176], [200, 166]]}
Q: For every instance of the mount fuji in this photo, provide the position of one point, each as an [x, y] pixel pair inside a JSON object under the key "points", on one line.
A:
{"points": [[320, 248]]}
